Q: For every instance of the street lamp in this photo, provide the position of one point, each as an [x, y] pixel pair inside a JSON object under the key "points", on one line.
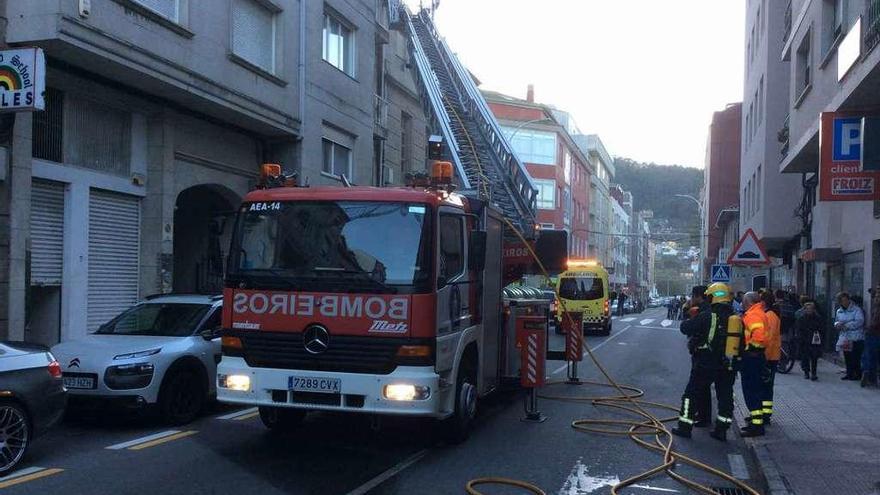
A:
{"points": [[534, 121], [702, 214]]}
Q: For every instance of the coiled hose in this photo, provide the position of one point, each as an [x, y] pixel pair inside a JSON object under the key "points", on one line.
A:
{"points": [[646, 424]]}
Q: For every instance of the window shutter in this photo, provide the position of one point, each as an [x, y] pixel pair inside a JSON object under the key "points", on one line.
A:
{"points": [[253, 33]]}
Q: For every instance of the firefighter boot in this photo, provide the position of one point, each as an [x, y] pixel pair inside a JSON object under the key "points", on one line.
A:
{"points": [[719, 433], [682, 430], [752, 430]]}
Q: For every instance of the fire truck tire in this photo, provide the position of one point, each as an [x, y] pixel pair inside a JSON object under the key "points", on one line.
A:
{"points": [[281, 419], [458, 427]]}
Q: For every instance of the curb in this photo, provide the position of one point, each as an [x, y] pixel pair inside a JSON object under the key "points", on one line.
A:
{"points": [[775, 481]]}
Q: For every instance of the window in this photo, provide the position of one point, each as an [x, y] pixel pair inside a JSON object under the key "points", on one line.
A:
{"points": [[758, 190], [451, 246], [253, 34], [532, 146], [160, 320], [761, 101], [338, 44], [337, 159], [48, 127], [803, 68], [405, 143], [165, 8], [546, 193]]}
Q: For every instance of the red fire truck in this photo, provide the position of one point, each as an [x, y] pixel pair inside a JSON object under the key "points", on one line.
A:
{"points": [[365, 300]]}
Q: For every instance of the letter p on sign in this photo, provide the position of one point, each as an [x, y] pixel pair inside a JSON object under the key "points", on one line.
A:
{"points": [[847, 140]]}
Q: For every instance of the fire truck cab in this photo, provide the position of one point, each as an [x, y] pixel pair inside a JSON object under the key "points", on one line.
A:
{"points": [[364, 300]]}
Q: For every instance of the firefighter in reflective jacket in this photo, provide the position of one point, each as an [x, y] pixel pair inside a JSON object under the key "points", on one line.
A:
{"points": [[753, 362], [710, 332]]}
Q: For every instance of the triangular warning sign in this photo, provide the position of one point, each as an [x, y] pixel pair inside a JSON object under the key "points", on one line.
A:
{"points": [[749, 251]]}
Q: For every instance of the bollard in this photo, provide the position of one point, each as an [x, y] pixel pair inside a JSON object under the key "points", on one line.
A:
{"points": [[573, 324], [531, 338]]}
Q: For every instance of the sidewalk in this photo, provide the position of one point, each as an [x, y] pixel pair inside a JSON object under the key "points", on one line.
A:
{"points": [[824, 438]]}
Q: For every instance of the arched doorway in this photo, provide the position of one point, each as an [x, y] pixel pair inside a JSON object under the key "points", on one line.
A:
{"points": [[202, 229]]}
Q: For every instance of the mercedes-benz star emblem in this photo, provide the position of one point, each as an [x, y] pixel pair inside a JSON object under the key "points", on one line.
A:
{"points": [[316, 339]]}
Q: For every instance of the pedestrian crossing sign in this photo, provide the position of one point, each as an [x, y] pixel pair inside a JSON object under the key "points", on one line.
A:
{"points": [[721, 273]]}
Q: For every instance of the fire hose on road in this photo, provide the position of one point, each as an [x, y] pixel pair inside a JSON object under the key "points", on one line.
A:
{"points": [[645, 424]]}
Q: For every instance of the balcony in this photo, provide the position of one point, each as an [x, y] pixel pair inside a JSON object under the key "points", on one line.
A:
{"points": [[380, 115], [786, 26], [872, 24], [783, 137]]}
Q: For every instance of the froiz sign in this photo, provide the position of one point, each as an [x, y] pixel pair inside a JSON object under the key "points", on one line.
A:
{"points": [[842, 177], [22, 80]]}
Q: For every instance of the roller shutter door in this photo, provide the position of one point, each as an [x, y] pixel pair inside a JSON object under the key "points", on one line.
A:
{"points": [[47, 232], [114, 248]]}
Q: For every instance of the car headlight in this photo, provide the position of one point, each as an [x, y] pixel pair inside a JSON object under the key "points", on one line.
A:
{"points": [[129, 376], [139, 354]]}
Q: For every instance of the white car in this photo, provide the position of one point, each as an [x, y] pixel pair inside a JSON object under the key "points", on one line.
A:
{"points": [[161, 352]]}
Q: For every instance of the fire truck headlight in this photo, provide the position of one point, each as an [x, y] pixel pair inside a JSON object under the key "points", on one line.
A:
{"points": [[405, 392], [240, 383]]}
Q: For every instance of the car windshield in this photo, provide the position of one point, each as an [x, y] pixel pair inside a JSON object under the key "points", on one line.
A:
{"points": [[582, 288], [157, 319], [357, 246]]}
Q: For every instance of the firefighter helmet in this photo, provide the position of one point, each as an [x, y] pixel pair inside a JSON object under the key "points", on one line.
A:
{"points": [[720, 293]]}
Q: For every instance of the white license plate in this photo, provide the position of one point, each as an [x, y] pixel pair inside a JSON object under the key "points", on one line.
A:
{"points": [[314, 384], [79, 382]]}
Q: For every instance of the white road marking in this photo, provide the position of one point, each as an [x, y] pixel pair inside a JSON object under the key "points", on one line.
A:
{"points": [[594, 349], [627, 319], [148, 438], [389, 473], [646, 321], [22, 472], [243, 412], [666, 323], [738, 466], [579, 482]]}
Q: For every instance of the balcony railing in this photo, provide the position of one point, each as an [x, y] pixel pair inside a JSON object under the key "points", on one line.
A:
{"points": [[380, 113], [872, 24], [783, 137], [786, 29]]}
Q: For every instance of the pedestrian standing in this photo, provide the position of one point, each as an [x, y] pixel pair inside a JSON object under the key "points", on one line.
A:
{"points": [[809, 329], [772, 352], [707, 335], [738, 303], [621, 299], [753, 362], [670, 308], [872, 342], [785, 309], [703, 406], [849, 321]]}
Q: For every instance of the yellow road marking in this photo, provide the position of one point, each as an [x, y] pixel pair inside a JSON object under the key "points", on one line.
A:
{"points": [[30, 477], [246, 416], [162, 440]]}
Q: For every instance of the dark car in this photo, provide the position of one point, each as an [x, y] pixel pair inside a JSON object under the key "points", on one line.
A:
{"points": [[32, 398]]}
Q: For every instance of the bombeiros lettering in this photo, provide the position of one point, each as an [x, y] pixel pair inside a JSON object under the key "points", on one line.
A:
{"points": [[331, 306]]}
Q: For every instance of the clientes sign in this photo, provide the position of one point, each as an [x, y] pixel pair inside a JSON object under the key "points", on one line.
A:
{"points": [[22, 80], [842, 176]]}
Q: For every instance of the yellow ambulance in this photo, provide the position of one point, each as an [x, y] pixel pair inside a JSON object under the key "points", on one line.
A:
{"points": [[583, 288]]}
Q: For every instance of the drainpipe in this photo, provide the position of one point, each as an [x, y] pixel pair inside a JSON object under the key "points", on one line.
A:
{"points": [[302, 81]]}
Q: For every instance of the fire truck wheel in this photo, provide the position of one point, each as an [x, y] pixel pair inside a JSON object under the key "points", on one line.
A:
{"points": [[458, 427], [281, 418]]}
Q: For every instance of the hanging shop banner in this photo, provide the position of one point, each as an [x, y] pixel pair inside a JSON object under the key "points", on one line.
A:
{"points": [[842, 176], [22, 80]]}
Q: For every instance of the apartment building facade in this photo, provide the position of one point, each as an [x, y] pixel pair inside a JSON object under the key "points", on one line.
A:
{"points": [[767, 198], [158, 114], [720, 181], [542, 138], [601, 211], [831, 50]]}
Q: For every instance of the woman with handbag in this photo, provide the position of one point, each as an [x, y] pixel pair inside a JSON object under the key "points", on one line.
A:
{"points": [[849, 321], [810, 334]]}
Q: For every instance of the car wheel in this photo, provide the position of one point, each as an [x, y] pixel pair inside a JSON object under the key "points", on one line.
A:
{"points": [[281, 418], [606, 330], [15, 432], [182, 398], [458, 427]]}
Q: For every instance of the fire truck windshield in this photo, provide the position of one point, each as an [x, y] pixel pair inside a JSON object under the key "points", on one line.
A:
{"points": [[356, 246]]}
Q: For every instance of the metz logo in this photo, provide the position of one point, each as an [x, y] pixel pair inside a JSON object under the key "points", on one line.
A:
{"points": [[384, 326]]}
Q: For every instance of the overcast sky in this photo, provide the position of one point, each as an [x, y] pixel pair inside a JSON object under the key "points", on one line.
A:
{"points": [[645, 75]]}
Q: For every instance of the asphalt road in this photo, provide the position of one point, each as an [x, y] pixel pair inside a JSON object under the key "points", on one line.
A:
{"points": [[229, 451]]}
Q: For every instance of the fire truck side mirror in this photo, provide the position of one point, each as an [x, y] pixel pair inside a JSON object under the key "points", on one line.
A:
{"points": [[477, 250]]}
